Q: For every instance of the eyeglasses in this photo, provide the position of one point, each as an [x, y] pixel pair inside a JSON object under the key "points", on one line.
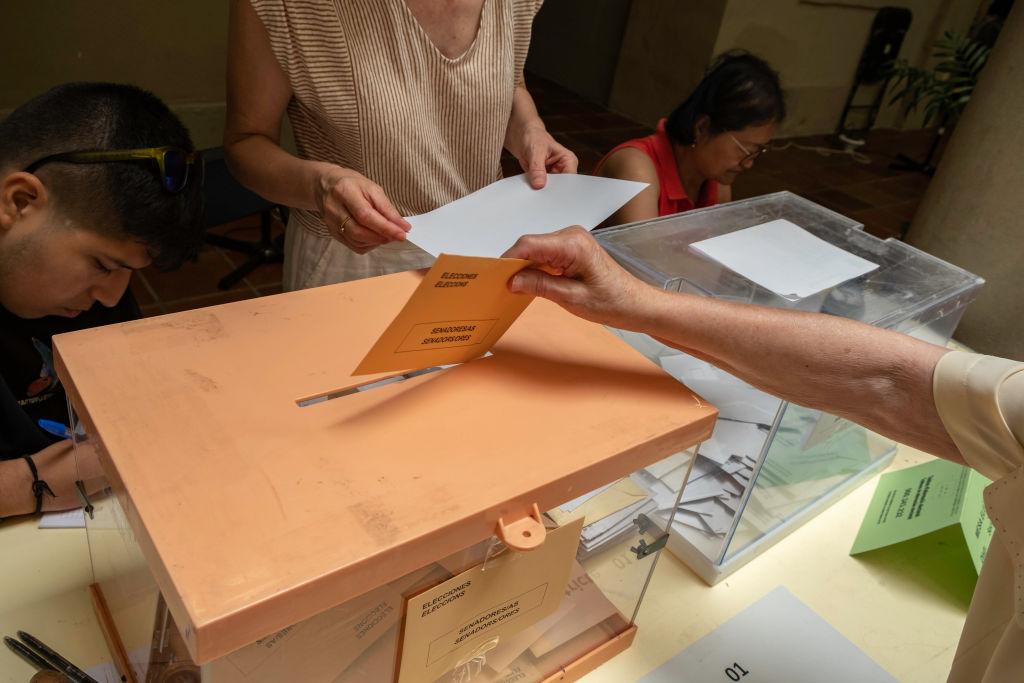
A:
{"points": [[750, 156], [175, 165]]}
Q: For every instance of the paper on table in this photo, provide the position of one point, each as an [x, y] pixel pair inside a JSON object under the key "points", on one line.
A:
{"points": [[489, 221], [778, 638], [66, 519], [784, 258], [459, 310], [925, 499]]}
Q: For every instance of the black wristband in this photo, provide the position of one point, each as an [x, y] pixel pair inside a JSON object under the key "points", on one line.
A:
{"points": [[39, 486]]}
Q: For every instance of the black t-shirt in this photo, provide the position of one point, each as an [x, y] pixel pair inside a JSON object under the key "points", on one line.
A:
{"points": [[29, 388]]}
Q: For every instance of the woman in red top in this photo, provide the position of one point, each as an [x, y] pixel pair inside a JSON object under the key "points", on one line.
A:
{"points": [[714, 135]]}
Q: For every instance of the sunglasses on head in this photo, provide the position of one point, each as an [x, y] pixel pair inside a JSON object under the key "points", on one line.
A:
{"points": [[175, 165]]}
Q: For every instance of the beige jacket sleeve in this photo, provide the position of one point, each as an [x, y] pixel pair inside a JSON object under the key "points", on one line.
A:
{"points": [[980, 400]]}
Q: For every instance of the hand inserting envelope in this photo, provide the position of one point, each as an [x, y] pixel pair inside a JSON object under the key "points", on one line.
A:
{"points": [[463, 305], [457, 313]]}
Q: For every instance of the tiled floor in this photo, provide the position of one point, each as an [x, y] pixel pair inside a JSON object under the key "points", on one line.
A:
{"points": [[195, 284], [883, 199]]}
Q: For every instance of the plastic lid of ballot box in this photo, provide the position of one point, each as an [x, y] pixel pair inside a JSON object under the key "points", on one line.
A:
{"points": [[247, 534], [771, 465]]}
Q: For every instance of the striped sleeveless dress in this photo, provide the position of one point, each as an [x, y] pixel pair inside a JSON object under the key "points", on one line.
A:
{"points": [[371, 92]]}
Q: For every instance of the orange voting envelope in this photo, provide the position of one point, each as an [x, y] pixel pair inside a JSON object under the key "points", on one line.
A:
{"points": [[460, 309]]}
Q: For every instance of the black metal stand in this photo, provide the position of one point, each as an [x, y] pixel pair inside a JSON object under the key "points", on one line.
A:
{"points": [[228, 201], [885, 38], [267, 250], [905, 163]]}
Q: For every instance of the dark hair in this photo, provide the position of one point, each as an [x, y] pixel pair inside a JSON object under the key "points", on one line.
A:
{"points": [[123, 199], [738, 90]]}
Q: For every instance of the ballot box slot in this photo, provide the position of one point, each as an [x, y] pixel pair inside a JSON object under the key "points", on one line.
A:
{"points": [[370, 385]]}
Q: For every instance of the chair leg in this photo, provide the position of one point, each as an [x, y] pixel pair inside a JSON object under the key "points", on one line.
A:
{"points": [[267, 250]]}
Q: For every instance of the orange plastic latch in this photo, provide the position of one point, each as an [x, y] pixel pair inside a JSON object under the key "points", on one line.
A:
{"points": [[523, 534]]}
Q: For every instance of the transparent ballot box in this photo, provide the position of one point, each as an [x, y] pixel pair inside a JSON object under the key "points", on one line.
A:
{"points": [[771, 465], [262, 520]]}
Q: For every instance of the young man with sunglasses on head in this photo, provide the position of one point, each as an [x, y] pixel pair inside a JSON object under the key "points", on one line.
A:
{"points": [[96, 180]]}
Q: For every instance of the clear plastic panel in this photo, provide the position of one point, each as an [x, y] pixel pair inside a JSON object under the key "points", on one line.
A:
{"points": [[717, 483], [118, 566], [768, 461], [811, 455]]}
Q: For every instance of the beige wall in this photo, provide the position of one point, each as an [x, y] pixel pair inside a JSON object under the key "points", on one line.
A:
{"points": [[665, 49], [816, 46], [973, 212], [175, 49]]}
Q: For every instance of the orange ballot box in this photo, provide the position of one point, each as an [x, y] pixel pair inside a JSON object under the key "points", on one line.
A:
{"points": [[267, 515]]}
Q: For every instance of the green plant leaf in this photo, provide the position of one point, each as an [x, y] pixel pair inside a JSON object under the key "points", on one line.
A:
{"points": [[947, 87]]}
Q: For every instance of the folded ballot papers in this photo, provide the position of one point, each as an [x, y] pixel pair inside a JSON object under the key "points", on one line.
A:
{"points": [[808, 446], [608, 512], [708, 504], [715, 484]]}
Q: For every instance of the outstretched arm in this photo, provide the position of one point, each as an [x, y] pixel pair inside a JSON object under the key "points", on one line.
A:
{"points": [[877, 378]]}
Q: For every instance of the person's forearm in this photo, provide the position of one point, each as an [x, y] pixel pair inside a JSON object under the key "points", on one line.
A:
{"points": [[264, 167], [56, 466], [523, 118], [875, 377]]}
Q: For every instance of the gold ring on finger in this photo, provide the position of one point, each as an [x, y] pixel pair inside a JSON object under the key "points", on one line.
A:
{"points": [[343, 224]]}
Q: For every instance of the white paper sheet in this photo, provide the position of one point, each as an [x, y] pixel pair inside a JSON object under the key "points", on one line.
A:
{"points": [[778, 638], [714, 513], [67, 519], [711, 487], [489, 221], [692, 520], [733, 438], [662, 467], [784, 258]]}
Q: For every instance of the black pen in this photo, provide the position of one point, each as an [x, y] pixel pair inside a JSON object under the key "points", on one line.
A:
{"points": [[27, 654], [56, 661]]}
